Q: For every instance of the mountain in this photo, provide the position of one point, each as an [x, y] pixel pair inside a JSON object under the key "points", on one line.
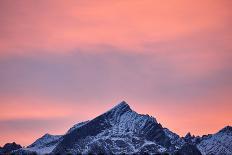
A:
{"points": [[219, 143], [8, 147], [45, 144], [123, 131], [120, 130]]}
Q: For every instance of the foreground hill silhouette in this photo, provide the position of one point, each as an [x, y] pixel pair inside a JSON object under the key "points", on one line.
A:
{"points": [[123, 131]]}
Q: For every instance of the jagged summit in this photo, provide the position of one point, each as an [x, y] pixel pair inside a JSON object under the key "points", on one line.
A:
{"points": [[226, 129], [115, 131], [189, 135], [121, 105], [119, 109]]}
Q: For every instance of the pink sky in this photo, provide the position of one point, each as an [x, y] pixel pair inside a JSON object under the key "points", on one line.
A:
{"points": [[170, 59]]}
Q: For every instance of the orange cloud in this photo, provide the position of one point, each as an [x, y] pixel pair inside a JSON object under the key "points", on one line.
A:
{"points": [[19, 107], [33, 109], [61, 26]]}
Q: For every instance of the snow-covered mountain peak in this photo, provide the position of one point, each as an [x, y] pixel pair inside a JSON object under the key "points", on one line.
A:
{"points": [[227, 129], [123, 115], [119, 130], [45, 139], [122, 103], [121, 107], [218, 143]]}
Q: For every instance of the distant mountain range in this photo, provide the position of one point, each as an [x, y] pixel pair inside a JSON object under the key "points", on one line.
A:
{"points": [[123, 131]]}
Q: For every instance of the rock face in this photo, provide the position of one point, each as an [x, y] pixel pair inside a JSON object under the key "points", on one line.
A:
{"points": [[188, 149], [123, 131]]}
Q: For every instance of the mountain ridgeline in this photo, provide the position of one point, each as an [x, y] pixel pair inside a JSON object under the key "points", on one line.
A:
{"points": [[123, 131]]}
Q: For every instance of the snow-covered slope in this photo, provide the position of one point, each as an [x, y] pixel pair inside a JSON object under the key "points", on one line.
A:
{"points": [[219, 143], [44, 145], [176, 141]]}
